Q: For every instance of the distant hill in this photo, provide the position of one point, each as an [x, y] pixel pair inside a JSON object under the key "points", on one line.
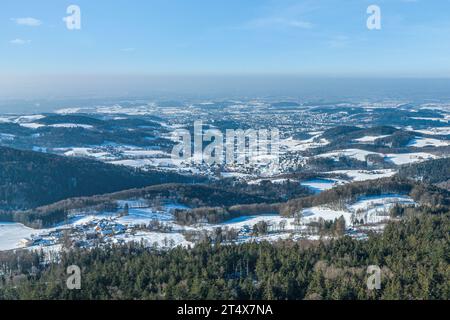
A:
{"points": [[76, 119], [348, 133], [31, 179], [397, 140], [223, 193], [285, 104], [433, 171]]}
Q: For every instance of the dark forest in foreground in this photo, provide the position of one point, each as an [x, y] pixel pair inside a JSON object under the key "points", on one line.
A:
{"points": [[413, 254]]}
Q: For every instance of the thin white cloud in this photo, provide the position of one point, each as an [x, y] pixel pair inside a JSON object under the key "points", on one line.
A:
{"points": [[19, 42], [279, 22], [128, 49], [29, 22], [278, 15]]}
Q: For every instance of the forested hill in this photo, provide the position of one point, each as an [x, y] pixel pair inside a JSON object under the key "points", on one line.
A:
{"points": [[433, 171], [31, 179]]}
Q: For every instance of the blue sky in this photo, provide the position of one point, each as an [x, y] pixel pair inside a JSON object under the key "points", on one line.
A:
{"points": [[316, 37]]}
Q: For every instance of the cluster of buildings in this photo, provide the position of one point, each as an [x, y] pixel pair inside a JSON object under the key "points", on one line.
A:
{"points": [[82, 235]]}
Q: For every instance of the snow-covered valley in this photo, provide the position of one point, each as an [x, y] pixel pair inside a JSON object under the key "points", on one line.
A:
{"points": [[317, 155]]}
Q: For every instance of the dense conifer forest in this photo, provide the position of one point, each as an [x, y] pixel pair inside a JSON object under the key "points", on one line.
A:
{"points": [[413, 255], [31, 179]]}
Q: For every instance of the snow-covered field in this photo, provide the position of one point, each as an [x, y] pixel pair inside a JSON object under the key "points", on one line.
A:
{"points": [[86, 152], [322, 212], [357, 154], [382, 202], [364, 175], [376, 208], [68, 111], [370, 139], [29, 118], [428, 142], [406, 158], [144, 153], [435, 131], [71, 125], [239, 223], [431, 119], [293, 145], [131, 111], [145, 216], [31, 125], [122, 155], [319, 185], [12, 233], [396, 158], [162, 240]]}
